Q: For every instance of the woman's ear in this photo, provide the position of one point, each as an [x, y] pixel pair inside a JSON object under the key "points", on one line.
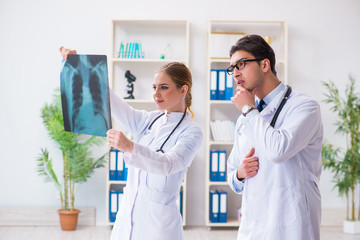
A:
{"points": [[184, 90]]}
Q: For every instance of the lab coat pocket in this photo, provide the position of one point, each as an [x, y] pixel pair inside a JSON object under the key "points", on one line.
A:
{"points": [[282, 211], [156, 182], [164, 222]]}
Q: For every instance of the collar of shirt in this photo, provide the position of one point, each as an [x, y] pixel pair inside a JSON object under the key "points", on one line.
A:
{"points": [[268, 98], [173, 116]]}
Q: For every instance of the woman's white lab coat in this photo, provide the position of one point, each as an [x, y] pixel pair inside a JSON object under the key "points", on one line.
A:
{"points": [[282, 201], [148, 209]]}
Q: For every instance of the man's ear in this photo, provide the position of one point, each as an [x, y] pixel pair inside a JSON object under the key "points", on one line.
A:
{"points": [[265, 66]]}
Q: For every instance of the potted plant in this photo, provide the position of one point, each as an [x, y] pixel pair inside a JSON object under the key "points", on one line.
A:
{"points": [[345, 164], [78, 164]]}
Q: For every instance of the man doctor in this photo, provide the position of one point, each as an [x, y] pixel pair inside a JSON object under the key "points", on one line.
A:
{"points": [[275, 166]]}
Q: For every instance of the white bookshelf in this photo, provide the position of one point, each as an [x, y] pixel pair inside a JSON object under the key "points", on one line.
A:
{"points": [[154, 36], [218, 58]]}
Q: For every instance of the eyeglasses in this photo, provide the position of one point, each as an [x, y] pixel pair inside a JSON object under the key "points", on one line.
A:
{"points": [[240, 65]]}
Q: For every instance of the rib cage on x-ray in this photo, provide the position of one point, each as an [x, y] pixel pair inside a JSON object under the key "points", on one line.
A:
{"points": [[85, 95]]}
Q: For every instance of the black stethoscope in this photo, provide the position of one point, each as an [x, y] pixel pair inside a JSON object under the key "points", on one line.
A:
{"points": [[152, 123], [283, 101]]}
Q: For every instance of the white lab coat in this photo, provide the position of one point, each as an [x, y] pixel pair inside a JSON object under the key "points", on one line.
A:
{"points": [[281, 202], [148, 209]]}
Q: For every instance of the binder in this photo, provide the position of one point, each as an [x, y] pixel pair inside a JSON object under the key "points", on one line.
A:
{"points": [[113, 205], [214, 206], [125, 172], [213, 84], [179, 201], [221, 84], [120, 196], [214, 165], [112, 165], [222, 166], [223, 206], [229, 87], [120, 166]]}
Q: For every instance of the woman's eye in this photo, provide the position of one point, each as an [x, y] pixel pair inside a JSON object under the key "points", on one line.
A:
{"points": [[164, 87], [154, 88]]}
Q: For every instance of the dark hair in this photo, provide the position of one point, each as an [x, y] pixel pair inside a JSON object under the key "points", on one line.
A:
{"points": [[258, 47], [181, 76]]}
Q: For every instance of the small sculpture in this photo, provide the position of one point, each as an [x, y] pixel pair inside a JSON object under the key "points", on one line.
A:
{"points": [[130, 78]]}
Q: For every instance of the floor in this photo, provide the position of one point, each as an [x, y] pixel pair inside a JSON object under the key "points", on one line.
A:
{"points": [[103, 232]]}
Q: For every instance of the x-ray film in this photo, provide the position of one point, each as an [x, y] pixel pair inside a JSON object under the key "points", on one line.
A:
{"points": [[85, 95]]}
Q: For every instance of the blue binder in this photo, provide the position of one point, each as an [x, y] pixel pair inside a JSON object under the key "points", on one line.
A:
{"points": [[113, 205], [112, 165], [179, 201], [214, 206], [119, 165], [229, 87], [223, 206], [222, 166], [125, 172], [213, 84], [214, 165], [221, 84]]}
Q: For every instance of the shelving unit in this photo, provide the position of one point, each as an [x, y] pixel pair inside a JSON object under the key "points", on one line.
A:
{"points": [[221, 35], [154, 36]]}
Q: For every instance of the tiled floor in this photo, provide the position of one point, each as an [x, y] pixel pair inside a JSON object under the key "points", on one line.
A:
{"points": [[103, 233]]}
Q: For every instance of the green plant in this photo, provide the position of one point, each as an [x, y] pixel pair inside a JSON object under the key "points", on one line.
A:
{"points": [[345, 164], [78, 164]]}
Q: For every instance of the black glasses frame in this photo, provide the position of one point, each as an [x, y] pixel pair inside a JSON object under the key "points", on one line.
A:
{"points": [[230, 70]]}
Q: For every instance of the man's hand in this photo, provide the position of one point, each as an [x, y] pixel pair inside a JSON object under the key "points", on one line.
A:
{"points": [[118, 140], [249, 166], [243, 97]]}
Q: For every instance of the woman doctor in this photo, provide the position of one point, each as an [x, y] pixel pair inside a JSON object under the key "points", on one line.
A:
{"points": [[165, 144]]}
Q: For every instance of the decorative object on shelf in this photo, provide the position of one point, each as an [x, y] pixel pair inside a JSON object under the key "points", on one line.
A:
{"points": [[130, 50], [346, 169], [78, 164], [168, 53], [269, 39], [130, 78], [220, 43]]}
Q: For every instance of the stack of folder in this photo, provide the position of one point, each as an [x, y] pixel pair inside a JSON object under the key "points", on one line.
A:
{"points": [[115, 198], [218, 206], [217, 166], [223, 130], [117, 168], [221, 85]]}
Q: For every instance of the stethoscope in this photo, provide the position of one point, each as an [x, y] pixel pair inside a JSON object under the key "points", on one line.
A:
{"points": [[283, 101], [152, 123]]}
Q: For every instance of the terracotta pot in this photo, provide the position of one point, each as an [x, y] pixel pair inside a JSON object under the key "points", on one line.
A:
{"points": [[68, 219]]}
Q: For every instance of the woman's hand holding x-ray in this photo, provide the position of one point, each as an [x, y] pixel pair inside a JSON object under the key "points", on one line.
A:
{"points": [[118, 140]]}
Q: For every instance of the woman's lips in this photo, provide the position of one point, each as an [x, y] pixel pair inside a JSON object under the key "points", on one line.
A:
{"points": [[158, 101]]}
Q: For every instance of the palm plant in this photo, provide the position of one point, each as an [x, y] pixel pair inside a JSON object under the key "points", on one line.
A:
{"points": [[345, 164], [78, 164]]}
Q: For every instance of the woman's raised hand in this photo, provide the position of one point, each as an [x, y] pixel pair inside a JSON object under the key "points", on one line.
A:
{"points": [[65, 52]]}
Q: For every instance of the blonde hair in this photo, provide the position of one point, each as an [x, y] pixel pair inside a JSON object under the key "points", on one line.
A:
{"points": [[181, 76]]}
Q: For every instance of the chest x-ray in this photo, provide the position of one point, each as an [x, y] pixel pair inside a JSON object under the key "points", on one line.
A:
{"points": [[85, 95]]}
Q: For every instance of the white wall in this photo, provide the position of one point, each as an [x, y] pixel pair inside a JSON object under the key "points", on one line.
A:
{"points": [[324, 43]]}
